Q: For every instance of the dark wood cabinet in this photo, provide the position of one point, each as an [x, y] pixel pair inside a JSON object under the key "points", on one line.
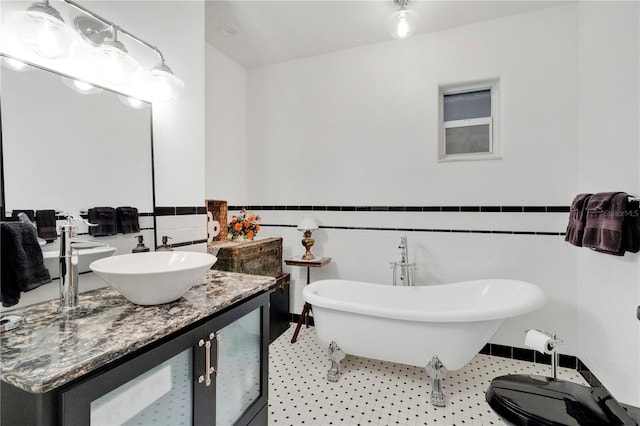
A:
{"points": [[215, 372]]}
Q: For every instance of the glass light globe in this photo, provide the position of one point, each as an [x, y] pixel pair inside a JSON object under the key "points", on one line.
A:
{"points": [[42, 29], [403, 23], [165, 86], [115, 65]]}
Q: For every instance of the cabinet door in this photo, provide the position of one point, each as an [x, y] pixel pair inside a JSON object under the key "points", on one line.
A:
{"points": [[242, 363], [157, 387]]}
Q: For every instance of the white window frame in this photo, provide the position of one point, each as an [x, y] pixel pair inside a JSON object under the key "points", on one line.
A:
{"points": [[495, 147]]}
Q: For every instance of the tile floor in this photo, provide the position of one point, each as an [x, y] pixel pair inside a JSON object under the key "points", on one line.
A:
{"points": [[371, 392]]}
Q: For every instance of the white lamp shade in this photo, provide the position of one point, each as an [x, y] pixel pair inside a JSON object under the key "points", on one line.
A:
{"points": [[307, 224], [403, 23]]}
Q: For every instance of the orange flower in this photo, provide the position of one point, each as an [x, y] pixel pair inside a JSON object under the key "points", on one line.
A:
{"points": [[251, 218], [247, 224], [234, 220], [238, 227], [250, 235], [257, 227]]}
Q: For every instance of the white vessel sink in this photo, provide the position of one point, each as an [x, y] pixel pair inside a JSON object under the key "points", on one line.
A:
{"points": [[153, 278], [84, 258]]}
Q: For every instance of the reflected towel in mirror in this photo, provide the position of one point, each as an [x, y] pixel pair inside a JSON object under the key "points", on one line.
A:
{"points": [[127, 219]]}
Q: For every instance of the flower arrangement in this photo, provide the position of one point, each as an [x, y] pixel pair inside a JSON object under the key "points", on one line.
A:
{"points": [[243, 226]]}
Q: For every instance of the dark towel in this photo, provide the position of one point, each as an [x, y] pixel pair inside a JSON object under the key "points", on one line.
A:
{"points": [[606, 213], [105, 218], [46, 223], [30, 214], [128, 222], [631, 228], [22, 267], [577, 219]]}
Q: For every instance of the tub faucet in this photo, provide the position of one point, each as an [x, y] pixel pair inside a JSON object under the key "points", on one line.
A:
{"points": [[407, 270], [69, 277]]}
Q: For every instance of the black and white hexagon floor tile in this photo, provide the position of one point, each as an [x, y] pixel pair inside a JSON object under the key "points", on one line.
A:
{"points": [[371, 392]]}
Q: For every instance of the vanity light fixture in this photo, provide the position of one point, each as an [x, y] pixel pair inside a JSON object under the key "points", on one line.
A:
{"points": [[41, 28], [307, 225], [403, 23]]}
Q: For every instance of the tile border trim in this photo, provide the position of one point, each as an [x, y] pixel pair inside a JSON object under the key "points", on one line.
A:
{"points": [[463, 231], [457, 209]]}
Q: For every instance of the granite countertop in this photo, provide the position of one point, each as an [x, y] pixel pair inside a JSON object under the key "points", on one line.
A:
{"points": [[49, 349]]}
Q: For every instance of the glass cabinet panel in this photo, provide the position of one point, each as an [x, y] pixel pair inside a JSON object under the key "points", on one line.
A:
{"points": [[238, 378], [160, 396]]}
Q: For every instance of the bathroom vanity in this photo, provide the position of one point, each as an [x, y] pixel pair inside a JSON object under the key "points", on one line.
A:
{"points": [[200, 360]]}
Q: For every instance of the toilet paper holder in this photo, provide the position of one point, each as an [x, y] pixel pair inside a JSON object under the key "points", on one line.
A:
{"points": [[551, 349]]}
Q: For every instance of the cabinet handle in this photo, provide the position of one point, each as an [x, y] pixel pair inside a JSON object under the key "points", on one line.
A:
{"points": [[208, 362], [201, 344], [217, 368]]}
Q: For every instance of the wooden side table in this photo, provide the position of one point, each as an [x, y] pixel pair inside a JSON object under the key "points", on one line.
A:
{"points": [[318, 262]]}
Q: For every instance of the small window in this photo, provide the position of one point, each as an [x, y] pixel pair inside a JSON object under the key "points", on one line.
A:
{"points": [[468, 122]]}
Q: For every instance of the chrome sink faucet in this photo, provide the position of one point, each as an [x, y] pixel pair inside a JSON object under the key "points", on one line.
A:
{"points": [[69, 277]]}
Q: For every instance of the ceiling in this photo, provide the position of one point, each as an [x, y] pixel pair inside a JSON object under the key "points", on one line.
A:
{"points": [[262, 32]]}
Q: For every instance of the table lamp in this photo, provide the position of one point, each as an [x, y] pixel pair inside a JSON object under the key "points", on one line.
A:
{"points": [[307, 225]]}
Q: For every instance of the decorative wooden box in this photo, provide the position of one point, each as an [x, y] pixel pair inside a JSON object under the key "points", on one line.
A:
{"points": [[258, 257]]}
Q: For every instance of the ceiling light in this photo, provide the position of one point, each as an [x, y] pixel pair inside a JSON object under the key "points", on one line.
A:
{"points": [[403, 23], [42, 29]]}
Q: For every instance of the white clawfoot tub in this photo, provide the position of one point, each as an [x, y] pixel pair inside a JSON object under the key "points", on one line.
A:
{"points": [[440, 327]]}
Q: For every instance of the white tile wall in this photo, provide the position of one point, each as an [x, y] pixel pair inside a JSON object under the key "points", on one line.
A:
{"points": [[182, 228]]}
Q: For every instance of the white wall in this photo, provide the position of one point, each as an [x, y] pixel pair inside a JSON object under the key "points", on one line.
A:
{"points": [[226, 153], [369, 115], [609, 135], [359, 127]]}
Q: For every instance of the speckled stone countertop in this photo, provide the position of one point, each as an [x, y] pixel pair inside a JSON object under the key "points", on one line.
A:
{"points": [[50, 349]]}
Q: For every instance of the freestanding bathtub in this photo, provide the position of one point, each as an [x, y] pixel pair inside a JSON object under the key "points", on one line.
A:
{"points": [[439, 327]]}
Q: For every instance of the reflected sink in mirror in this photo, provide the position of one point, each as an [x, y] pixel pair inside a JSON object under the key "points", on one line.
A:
{"points": [[153, 278], [84, 258]]}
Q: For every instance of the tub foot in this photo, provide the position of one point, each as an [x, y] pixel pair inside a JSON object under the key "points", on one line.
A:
{"points": [[335, 355], [436, 372]]}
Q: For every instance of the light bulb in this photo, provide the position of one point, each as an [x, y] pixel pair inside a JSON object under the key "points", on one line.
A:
{"points": [[403, 23]]}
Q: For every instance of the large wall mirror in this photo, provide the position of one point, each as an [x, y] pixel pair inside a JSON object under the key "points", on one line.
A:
{"points": [[71, 151]]}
